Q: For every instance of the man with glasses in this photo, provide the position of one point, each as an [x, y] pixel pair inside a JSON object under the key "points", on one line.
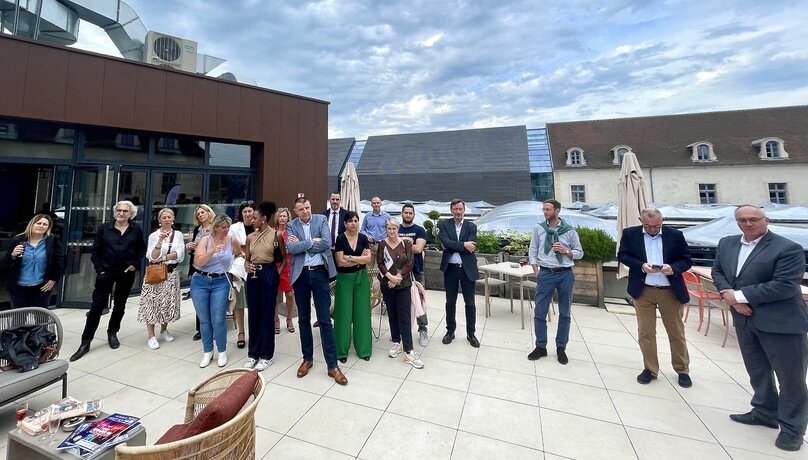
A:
{"points": [[656, 259], [118, 248], [759, 275]]}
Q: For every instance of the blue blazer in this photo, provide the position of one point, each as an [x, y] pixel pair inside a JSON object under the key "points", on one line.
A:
{"points": [[318, 225], [674, 253], [451, 245]]}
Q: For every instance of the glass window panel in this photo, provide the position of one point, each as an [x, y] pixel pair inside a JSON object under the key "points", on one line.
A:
{"points": [[180, 151], [109, 145], [179, 191], [28, 139], [230, 155], [227, 191]]}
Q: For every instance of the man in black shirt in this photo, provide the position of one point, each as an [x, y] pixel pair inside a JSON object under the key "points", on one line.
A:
{"points": [[117, 250], [417, 234]]}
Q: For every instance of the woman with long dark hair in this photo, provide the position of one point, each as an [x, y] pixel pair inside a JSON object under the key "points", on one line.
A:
{"points": [[240, 230], [352, 292], [36, 263]]}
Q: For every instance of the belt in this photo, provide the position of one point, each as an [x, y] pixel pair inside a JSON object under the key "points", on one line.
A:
{"points": [[210, 274], [314, 267], [657, 286], [455, 265], [555, 269]]}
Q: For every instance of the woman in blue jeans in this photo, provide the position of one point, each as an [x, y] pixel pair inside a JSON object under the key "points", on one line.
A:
{"points": [[210, 288]]}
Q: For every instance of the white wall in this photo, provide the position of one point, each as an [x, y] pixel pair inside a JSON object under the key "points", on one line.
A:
{"points": [[734, 184]]}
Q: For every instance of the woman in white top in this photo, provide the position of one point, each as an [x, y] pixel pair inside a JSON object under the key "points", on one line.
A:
{"points": [[160, 303], [239, 231]]}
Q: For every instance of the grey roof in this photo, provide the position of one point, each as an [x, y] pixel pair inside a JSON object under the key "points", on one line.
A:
{"points": [[338, 151]]}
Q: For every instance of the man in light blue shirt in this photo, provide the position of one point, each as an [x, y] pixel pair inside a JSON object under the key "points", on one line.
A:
{"points": [[375, 224], [553, 246]]}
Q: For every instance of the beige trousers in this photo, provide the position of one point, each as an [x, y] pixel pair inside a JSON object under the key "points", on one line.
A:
{"points": [[671, 311]]}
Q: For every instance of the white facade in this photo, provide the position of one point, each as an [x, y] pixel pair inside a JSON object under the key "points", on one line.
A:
{"points": [[671, 185]]}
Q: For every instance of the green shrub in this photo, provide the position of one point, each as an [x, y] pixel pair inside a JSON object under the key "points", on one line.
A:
{"points": [[516, 244], [598, 245], [488, 242]]}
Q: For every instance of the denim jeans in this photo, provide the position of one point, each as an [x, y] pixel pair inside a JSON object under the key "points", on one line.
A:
{"points": [[262, 295], [315, 283], [548, 281], [209, 296]]}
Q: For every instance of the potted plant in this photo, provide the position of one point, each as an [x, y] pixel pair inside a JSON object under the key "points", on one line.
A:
{"points": [[598, 248]]}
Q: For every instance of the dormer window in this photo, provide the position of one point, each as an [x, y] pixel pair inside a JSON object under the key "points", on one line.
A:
{"points": [[575, 158], [702, 152], [618, 152], [770, 148]]}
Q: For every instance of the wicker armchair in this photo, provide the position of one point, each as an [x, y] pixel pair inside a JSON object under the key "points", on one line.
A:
{"points": [[235, 440]]}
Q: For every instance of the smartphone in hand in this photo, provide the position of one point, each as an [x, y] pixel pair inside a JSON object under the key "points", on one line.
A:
{"points": [[656, 267]]}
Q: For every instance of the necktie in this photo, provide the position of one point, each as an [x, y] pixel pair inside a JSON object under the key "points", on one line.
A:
{"points": [[333, 227]]}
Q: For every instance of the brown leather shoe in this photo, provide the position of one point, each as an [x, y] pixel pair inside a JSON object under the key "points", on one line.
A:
{"points": [[304, 368], [338, 376]]}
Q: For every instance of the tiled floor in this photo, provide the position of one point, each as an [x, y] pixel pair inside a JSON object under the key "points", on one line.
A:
{"points": [[465, 403]]}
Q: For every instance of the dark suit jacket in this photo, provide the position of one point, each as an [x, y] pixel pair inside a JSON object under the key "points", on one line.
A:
{"points": [[770, 281], [340, 221], [451, 245], [674, 253]]}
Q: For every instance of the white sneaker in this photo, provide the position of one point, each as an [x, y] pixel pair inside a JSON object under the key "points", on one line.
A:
{"points": [[395, 349], [413, 359], [249, 364], [153, 343], [206, 357], [423, 338], [221, 361], [263, 364], [165, 335]]}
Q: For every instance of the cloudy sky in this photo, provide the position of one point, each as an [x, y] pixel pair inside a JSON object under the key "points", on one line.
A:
{"points": [[400, 67]]}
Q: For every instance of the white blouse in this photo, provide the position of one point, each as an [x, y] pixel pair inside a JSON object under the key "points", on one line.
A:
{"points": [[177, 245]]}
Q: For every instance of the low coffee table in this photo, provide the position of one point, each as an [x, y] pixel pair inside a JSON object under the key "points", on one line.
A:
{"points": [[22, 446]]}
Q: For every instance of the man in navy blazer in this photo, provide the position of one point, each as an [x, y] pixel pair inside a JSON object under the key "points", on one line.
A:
{"points": [[459, 265], [656, 257], [759, 275], [335, 215], [312, 265]]}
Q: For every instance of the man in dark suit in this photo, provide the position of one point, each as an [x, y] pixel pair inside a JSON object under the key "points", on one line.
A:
{"points": [[759, 275], [459, 265], [656, 259], [336, 217]]}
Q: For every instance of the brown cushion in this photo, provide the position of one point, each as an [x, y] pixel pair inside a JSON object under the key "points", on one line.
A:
{"points": [[219, 411]]}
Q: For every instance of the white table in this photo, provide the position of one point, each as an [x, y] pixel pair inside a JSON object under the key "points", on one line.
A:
{"points": [[512, 270]]}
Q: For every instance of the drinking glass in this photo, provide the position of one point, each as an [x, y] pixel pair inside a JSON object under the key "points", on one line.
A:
{"points": [[522, 262], [21, 409], [54, 420], [44, 422]]}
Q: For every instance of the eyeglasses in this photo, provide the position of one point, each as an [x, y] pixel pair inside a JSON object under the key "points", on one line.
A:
{"points": [[652, 226], [751, 220], [248, 203]]}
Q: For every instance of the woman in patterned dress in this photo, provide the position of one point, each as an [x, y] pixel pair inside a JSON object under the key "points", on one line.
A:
{"points": [[282, 218], [160, 303]]}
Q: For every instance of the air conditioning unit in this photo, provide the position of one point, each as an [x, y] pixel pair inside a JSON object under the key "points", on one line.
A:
{"points": [[167, 51]]}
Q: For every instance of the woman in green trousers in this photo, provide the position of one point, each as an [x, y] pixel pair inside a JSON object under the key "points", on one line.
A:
{"points": [[352, 297]]}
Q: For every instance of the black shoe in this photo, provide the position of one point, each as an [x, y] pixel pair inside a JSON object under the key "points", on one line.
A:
{"points": [[645, 377], [84, 348], [197, 336], [539, 352], [562, 355], [684, 381], [473, 341], [447, 339], [113, 340], [343, 360], [186, 295], [787, 441], [751, 419], [316, 324]]}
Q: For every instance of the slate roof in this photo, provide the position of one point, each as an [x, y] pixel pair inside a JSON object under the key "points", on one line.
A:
{"points": [[661, 141]]}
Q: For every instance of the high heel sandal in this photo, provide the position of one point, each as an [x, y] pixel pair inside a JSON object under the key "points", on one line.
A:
{"points": [[277, 327], [290, 326], [241, 343]]}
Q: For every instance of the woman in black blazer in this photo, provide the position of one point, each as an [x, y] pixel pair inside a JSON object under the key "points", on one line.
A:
{"points": [[36, 262]]}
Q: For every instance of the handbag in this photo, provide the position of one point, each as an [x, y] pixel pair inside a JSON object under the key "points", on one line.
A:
{"points": [[277, 255], [157, 272]]}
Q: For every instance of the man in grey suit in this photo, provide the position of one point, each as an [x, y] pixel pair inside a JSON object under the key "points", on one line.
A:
{"points": [[759, 275], [459, 265], [310, 244]]}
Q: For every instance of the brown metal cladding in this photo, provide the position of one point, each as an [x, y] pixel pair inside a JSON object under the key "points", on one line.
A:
{"points": [[50, 83]]}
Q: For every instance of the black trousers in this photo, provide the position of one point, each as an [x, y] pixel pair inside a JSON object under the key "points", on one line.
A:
{"points": [[29, 296], [765, 355], [119, 281], [398, 303], [453, 275]]}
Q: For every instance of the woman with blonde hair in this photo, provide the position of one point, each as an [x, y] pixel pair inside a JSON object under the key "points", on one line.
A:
{"points": [[36, 263], [203, 224], [282, 218], [160, 302]]}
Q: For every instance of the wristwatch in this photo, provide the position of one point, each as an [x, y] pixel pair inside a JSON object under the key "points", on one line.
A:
{"points": [[350, 258]]}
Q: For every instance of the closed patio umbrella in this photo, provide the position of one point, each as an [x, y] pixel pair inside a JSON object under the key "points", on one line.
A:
{"points": [[349, 189], [631, 199]]}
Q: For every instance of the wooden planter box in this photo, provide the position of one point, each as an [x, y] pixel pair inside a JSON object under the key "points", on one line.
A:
{"points": [[588, 287]]}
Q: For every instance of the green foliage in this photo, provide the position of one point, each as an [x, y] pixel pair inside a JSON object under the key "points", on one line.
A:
{"points": [[428, 226], [517, 243], [598, 245], [434, 215], [488, 242], [432, 231]]}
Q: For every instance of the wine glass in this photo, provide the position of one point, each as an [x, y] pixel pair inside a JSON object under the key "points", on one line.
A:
{"points": [[256, 267], [54, 420], [522, 262], [21, 409], [44, 422]]}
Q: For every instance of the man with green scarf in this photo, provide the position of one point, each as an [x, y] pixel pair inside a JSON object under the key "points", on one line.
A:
{"points": [[553, 247]]}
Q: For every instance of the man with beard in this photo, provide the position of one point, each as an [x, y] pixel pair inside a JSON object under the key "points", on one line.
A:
{"points": [[417, 235]]}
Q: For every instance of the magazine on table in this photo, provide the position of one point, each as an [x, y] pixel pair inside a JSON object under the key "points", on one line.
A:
{"points": [[91, 438]]}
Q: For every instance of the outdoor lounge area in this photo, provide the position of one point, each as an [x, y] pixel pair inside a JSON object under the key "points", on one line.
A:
{"points": [[465, 403]]}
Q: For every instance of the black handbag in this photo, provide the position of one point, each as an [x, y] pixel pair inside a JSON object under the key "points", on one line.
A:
{"points": [[277, 255]]}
